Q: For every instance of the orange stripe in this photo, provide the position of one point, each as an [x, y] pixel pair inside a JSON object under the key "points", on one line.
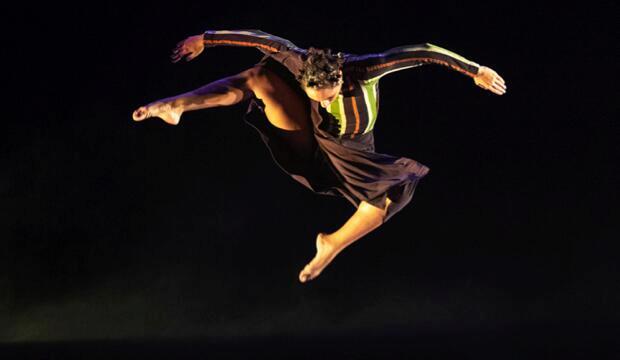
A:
{"points": [[375, 67], [242, 43], [357, 115]]}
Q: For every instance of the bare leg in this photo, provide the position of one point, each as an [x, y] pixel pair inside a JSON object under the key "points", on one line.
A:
{"points": [[288, 112], [285, 109], [365, 219], [227, 91]]}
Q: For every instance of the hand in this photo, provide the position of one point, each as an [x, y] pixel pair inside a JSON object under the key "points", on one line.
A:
{"points": [[488, 79], [190, 47]]}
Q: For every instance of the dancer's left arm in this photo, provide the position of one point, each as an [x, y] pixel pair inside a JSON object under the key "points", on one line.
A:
{"points": [[374, 66]]}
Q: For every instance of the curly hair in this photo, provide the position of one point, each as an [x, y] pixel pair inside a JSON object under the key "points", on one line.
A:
{"points": [[320, 68]]}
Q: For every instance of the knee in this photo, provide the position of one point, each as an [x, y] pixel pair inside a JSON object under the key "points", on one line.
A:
{"points": [[257, 75], [374, 212]]}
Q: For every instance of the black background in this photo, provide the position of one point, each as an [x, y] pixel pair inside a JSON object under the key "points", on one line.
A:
{"points": [[138, 238]]}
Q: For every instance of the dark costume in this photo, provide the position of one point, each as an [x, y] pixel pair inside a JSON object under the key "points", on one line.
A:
{"points": [[344, 162]]}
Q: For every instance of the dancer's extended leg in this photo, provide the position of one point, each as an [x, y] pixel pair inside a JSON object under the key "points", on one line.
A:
{"points": [[285, 109], [227, 91], [365, 219]]}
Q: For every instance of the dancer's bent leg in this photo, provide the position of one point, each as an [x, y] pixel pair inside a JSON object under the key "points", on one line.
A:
{"points": [[287, 109], [364, 220]]}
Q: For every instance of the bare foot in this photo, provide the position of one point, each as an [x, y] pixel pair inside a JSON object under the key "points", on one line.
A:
{"points": [[325, 253], [165, 111]]}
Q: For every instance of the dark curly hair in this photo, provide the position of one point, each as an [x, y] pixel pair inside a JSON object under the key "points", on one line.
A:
{"points": [[320, 68]]}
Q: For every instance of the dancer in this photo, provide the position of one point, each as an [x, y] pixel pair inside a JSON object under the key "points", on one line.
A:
{"points": [[316, 112]]}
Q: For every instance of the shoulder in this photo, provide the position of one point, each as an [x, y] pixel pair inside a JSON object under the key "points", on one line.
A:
{"points": [[291, 59], [356, 67], [359, 63]]}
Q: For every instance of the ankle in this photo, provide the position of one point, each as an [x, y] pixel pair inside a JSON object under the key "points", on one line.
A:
{"points": [[331, 241], [166, 105], [176, 105]]}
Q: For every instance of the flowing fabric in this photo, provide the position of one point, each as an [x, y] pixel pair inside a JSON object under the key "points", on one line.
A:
{"points": [[338, 166]]}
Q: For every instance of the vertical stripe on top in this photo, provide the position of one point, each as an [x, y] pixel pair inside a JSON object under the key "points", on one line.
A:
{"points": [[369, 87], [336, 108]]}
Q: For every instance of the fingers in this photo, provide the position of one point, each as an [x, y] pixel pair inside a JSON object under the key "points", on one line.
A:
{"points": [[490, 73], [178, 54], [499, 83], [176, 58], [495, 87], [492, 82], [496, 79], [497, 90], [502, 86], [188, 56]]}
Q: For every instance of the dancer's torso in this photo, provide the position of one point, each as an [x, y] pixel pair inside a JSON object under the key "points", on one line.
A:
{"points": [[354, 112]]}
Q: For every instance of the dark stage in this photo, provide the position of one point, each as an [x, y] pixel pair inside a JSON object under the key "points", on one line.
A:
{"points": [[126, 239]]}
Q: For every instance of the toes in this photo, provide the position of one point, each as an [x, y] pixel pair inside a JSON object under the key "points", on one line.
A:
{"points": [[139, 114], [305, 274]]}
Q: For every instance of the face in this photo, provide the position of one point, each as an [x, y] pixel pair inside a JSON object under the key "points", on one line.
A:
{"points": [[324, 95]]}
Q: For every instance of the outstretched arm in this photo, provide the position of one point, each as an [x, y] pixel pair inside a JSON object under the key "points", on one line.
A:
{"points": [[374, 66], [261, 40], [266, 43], [404, 57]]}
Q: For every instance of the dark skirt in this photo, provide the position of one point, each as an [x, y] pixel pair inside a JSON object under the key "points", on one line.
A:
{"points": [[348, 168]]}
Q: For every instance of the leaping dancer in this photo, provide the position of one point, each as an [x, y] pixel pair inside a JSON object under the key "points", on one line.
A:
{"points": [[316, 111]]}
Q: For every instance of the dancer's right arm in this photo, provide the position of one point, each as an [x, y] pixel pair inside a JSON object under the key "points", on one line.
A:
{"points": [[266, 43], [261, 40]]}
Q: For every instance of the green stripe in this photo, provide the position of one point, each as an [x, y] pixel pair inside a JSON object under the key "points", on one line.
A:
{"points": [[371, 90], [336, 108], [454, 55]]}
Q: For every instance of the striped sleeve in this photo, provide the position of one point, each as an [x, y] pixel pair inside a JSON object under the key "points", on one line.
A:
{"points": [[377, 65], [263, 41]]}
